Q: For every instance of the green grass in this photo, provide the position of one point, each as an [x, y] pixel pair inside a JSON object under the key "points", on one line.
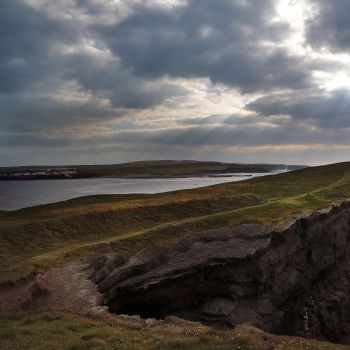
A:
{"points": [[37, 238], [63, 331]]}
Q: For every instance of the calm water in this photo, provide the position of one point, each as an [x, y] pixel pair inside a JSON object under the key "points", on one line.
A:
{"points": [[20, 194]]}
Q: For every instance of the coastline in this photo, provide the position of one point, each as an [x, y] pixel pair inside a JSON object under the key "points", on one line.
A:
{"points": [[144, 176]]}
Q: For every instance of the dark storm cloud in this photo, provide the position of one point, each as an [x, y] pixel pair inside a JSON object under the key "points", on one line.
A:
{"points": [[223, 40], [46, 47], [330, 25], [38, 49], [41, 114], [117, 84], [321, 108], [26, 37]]}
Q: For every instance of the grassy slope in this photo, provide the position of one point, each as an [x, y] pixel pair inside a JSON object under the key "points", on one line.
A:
{"points": [[39, 237], [61, 331], [48, 235]]}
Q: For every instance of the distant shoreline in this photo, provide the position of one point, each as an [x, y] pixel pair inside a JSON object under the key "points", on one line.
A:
{"points": [[139, 170], [141, 177]]}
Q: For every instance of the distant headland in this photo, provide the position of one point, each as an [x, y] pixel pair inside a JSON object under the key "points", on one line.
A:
{"points": [[140, 169]]}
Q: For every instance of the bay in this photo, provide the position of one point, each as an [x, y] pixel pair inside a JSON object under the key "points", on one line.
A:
{"points": [[19, 194]]}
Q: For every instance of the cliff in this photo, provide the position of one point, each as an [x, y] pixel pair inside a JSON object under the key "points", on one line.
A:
{"points": [[292, 281]]}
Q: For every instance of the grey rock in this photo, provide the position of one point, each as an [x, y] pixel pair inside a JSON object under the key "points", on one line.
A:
{"points": [[292, 281]]}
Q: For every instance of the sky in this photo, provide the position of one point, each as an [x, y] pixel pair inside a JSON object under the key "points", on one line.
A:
{"points": [[111, 81]]}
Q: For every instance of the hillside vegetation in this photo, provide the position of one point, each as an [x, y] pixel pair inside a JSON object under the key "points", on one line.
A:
{"points": [[63, 331], [36, 238]]}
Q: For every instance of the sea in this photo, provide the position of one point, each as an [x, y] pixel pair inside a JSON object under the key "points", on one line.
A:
{"points": [[26, 193]]}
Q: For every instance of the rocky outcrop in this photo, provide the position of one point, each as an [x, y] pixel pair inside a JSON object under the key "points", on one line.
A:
{"points": [[291, 281]]}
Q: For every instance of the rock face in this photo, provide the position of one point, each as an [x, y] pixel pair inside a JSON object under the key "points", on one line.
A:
{"points": [[293, 281]]}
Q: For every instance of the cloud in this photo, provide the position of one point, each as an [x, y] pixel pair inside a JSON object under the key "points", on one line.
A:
{"points": [[230, 42], [196, 137], [317, 107], [117, 84], [234, 120], [154, 76], [330, 25], [26, 40], [53, 74], [228, 136], [51, 115]]}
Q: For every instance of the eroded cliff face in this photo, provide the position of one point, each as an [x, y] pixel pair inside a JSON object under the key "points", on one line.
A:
{"points": [[293, 281]]}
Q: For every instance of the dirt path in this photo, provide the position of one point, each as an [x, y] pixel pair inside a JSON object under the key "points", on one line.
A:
{"points": [[67, 288]]}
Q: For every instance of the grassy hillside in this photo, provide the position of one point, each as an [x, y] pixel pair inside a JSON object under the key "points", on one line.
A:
{"points": [[36, 238], [62, 331]]}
